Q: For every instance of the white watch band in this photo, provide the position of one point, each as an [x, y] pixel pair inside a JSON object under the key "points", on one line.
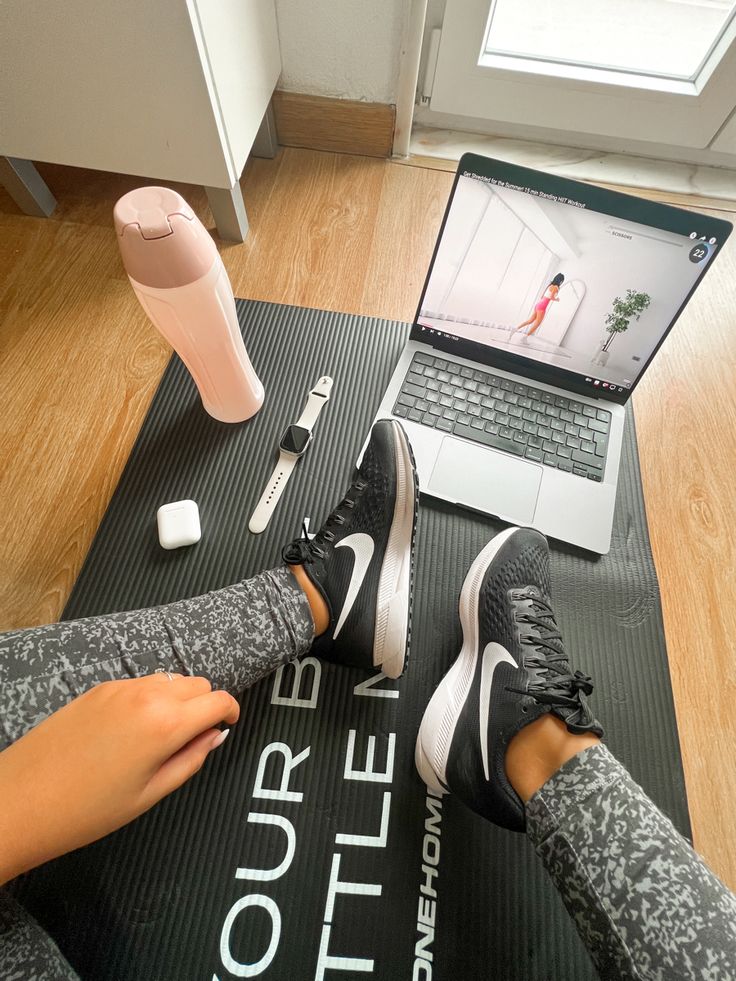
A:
{"points": [[270, 497], [318, 398]]}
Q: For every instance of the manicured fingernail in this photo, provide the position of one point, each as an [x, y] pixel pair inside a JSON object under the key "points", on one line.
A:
{"points": [[220, 738]]}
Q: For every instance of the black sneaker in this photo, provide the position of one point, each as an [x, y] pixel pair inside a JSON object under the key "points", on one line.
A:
{"points": [[362, 559], [511, 670]]}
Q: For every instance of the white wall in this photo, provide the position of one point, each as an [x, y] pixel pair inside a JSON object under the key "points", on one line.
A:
{"points": [[346, 50]]}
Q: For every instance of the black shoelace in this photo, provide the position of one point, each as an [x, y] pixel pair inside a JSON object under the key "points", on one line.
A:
{"points": [[306, 549], [559, 687]]}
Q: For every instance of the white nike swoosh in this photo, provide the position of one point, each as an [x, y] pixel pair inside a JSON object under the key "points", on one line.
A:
{"points": [[363, 546], [493, 655]]}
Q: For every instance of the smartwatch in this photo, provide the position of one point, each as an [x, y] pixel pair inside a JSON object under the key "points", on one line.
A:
{"points": [[293, 445]]}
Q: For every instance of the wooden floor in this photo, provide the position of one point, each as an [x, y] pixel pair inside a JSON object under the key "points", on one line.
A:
{"points": [[79, 364]]}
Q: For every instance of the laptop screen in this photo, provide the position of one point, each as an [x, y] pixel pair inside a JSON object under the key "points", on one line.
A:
{"points": [[562, 281]]}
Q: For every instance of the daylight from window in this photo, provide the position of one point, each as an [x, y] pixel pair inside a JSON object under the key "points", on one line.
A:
{"points": [[667, 38]]}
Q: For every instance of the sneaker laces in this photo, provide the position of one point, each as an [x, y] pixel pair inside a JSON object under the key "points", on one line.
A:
{"points": [[305, 549], [560, 687]]}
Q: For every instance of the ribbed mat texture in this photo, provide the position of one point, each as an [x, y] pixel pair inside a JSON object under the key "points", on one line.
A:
{"points": [[163, 900]]}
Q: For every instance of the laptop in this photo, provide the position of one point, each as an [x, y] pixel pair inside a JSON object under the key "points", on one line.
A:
{"points": [[545, 302]]}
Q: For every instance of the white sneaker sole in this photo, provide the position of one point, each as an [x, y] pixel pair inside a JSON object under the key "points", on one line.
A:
{"points": [[441, 716], [393, 602]]}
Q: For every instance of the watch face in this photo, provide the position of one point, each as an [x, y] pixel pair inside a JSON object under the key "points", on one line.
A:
{"points": [[295, 440]]}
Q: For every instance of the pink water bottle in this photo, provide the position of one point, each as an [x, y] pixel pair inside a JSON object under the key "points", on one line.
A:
{"points": [[178, 275]]}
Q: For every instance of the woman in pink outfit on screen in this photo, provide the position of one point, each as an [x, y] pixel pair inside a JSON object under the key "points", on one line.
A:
{"points": [[540, 308]]}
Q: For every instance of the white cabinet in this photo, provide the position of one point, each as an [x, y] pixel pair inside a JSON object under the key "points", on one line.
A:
{"points": [[169, 90]]}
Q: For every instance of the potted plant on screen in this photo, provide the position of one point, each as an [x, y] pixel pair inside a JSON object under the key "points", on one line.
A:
{"points": [[623, 311]]}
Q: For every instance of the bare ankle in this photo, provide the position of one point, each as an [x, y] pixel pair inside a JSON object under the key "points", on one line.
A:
{"points": [[538, 751], [317, 605]]}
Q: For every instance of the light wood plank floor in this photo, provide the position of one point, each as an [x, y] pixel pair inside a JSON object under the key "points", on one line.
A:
{"points": [[79, 365]]}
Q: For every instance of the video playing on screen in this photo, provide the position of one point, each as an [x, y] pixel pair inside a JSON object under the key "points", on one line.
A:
{"points": [[546, 278]]}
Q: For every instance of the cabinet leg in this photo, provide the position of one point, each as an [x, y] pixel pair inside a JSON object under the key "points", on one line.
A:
{"points": [[266, 143], [26, 187], [228, 210]]}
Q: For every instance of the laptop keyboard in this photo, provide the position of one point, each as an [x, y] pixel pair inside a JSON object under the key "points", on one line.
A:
{"points": [[506, 415]]}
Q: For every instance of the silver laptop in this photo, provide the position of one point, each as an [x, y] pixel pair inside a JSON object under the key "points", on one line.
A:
{"points": [[544, 304]]}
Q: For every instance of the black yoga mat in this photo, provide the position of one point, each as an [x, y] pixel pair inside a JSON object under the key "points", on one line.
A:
{"points": [[223, 880]]}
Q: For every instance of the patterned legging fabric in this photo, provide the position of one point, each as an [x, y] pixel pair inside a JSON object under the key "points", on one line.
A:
{"points": [[643, 902], [234, 636]]}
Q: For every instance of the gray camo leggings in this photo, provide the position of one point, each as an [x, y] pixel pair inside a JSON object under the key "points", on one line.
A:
{"points": [[645, 905]]}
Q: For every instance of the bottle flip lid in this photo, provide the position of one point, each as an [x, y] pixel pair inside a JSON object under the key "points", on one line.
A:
{"points": [[162, 242]]}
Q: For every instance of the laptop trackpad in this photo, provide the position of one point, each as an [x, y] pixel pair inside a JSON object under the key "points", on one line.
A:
{"points": [[486, 480]]}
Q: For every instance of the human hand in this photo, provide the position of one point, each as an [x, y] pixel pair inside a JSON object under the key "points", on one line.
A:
{"points": [[103, 759]]}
